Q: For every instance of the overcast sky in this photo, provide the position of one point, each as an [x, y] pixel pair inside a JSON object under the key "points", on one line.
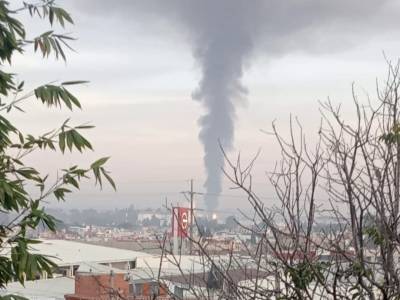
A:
{"points": [[138, 57]]}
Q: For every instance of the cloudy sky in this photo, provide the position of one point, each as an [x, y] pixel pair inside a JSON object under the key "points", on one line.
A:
{"points": [[146, 59]]}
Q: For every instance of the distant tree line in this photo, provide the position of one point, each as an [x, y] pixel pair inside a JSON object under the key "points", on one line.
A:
{"points": [[123, 217]]}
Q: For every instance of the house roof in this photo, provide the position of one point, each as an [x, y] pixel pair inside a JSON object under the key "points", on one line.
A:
{"points": [[67, 253], [201, 279], [95, 268], [54, 288]]}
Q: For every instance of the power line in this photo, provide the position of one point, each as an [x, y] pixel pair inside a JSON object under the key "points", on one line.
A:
{"points": [[134, 182], [169, 194]]}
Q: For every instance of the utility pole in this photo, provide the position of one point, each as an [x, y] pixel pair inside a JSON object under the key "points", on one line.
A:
{"points": [[191, 193], [192, 209], [191, 217]]}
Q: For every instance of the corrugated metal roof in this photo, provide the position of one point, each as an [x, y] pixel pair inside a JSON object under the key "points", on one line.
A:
{"points": [[95, 268], [45, 289], [66, 253]]}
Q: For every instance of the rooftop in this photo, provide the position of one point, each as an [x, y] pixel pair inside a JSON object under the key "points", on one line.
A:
{"points": [[96, 269], [67, 253], [54, 288]]}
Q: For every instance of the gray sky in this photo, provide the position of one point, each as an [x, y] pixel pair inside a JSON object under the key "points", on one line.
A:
{"points": [[138, 56]]}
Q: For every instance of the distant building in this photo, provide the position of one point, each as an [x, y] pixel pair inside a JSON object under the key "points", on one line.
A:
{"points": [[69, 255], [93, 281]]}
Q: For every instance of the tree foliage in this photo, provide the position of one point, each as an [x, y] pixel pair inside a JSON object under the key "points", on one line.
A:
{"points": [[333, 232], [17, 178]]}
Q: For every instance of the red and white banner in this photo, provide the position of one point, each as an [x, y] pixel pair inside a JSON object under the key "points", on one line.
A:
{"points": [[180, 221]]}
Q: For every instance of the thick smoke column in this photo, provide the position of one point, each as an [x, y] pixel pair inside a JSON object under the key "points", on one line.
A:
{"points": [[222, 39], [223, 33]]}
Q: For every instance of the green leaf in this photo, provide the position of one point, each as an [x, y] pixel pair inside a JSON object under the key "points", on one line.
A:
{"points": [[109, 179], [98, 163], [61, 141], [74, 82]]}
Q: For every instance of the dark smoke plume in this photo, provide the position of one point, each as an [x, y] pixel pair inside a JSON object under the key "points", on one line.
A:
{"points": [[222, 36], [225, 33]]}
